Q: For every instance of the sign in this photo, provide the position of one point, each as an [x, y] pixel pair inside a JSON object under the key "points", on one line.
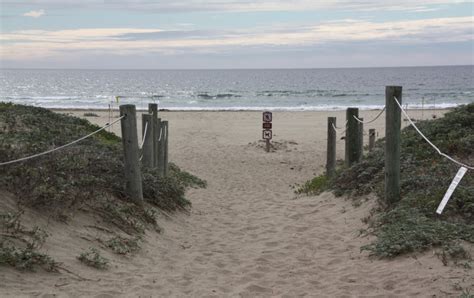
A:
{"points": [[267, 134], [267, 125], [267, 116], [451, 189]]}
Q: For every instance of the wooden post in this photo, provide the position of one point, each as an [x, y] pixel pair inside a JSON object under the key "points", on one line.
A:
{"points": [[331, 148], [371, 139], [352, 137], [130, 147], [361, 139], [165, 147], [161, 149], [147, 149], [392, 143], [153, 109], [267, 145]]}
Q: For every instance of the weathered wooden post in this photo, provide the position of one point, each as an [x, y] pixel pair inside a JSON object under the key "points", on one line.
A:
{"points": [[148, 159], [361, 139], [130, 147], [352, 137], [153, 109], [392, 143], [165, 147], [371, 139], [331, 149], [161, 149]]}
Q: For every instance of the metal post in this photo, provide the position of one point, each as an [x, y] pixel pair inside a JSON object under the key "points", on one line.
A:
{"points": [[130, 147], [392, 143]]}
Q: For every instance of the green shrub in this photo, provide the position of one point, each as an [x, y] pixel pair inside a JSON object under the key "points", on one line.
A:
{"points": [[412, 224], [93, 258]]}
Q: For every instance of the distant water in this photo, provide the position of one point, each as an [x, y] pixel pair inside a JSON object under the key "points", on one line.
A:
{"points": [[288, 89]]}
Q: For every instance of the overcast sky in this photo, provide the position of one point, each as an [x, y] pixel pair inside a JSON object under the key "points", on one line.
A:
{"points": [[170, 34]]}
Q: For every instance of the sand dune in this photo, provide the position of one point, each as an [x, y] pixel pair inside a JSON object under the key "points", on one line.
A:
{"points": [[248, 234]]}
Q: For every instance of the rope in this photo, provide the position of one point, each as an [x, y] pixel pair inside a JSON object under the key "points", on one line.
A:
{"points": [[338, 128], [161, 130], [144, 135], [60, 147], [367, 122], [429, 142]]}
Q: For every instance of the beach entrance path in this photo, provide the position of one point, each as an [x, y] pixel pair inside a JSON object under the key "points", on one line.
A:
{"points": [[248, 234]]}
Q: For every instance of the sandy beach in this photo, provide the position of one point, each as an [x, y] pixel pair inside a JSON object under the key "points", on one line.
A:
{"points": [[247, 233]]}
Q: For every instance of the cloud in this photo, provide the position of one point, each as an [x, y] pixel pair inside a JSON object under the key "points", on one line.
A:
{"points": [[166, 6], [34, 44], [34, 13]]}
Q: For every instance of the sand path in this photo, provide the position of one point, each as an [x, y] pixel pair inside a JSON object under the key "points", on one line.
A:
{"points": [[248, 235]]}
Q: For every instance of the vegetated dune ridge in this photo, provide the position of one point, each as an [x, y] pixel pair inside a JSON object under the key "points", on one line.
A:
{"points": [[247, 234]]}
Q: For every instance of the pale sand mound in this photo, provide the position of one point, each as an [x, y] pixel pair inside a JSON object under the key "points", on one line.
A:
{"points": [[247, 234]]}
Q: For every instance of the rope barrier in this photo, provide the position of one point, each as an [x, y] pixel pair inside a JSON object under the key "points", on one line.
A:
{"points": [[144, 135], [60, 147], [429, 142], [367, 122], [338, 128]]}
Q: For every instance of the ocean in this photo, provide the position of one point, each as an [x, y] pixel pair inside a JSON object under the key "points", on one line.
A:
{"points": [[265, 89]]}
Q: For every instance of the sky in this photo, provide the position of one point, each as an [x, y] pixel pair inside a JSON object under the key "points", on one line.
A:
{"points": [[214, 34]]}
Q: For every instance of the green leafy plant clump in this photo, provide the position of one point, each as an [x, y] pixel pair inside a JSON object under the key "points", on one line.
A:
{"points": [[87, 176], [69, 178], [123, 246], [24, 258], [314, 186], [92, 258], [19, 247], [411, 225]]}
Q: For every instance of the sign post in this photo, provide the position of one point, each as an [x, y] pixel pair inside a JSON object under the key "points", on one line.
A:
{"points": [[267, 129]]}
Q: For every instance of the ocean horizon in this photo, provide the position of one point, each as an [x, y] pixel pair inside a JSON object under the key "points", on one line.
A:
{"points": [[308, 89]]}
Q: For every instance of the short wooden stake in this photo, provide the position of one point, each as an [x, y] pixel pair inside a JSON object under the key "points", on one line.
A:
{"points": [[153, 109], [371, 139], [392, 143], [331, 148], [352, 137], [133, 177], [166, 134], [147, 149]]}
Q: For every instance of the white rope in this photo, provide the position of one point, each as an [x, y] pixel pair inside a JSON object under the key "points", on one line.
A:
{"points": [[60, 147], [161, 130], [144, 135], [335, 128], [338, 128], [367, 122], [429, 142]]}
